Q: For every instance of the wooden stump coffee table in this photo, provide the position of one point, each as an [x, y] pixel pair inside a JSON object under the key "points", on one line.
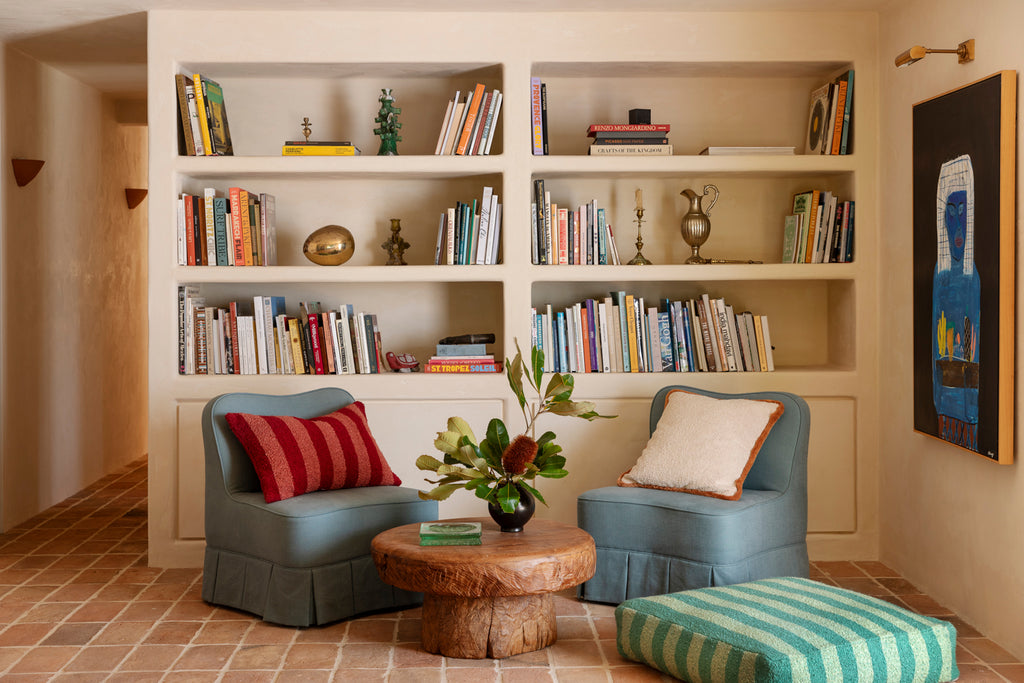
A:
{"points": [[493, 599]]}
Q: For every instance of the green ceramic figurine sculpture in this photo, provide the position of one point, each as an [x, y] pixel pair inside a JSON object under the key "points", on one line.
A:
{"points": [[387, 117]]}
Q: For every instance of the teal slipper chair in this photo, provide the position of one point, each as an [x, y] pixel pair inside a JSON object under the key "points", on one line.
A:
{"points": [[301, 561], [652, 542]]}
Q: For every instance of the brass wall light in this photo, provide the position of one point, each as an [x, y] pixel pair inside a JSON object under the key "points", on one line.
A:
{"points": [[964, 52]]}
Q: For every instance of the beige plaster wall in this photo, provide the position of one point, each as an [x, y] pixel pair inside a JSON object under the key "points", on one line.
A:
{"points": [[951, 522], [74, 314]]}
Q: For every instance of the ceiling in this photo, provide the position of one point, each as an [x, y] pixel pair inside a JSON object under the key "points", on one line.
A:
{"points": [[103, 42]]}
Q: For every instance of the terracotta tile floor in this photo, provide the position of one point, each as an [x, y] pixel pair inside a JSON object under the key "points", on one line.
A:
{"points": [[78, 603]]}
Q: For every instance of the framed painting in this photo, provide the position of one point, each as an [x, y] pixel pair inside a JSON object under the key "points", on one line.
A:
{"points": [[963, 317]]}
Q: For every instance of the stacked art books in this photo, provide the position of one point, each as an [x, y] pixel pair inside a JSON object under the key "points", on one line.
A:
{"points": [[639, 137], [450, 533], [260, 338], [462, 358], [621, 333], [469, 122], [237, 230], [562, 235], [202, 117]]}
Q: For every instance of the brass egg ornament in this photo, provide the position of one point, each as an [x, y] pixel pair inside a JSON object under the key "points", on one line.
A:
{"points": [[330, 245]]}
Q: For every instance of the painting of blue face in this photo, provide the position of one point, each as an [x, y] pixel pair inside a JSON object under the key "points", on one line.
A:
{"points": [[964, 187], [956, 223]]}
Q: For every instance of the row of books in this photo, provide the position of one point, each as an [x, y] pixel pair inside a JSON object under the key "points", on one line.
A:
{"points": [[562, 235], [244, 339], [820, 229], [469, 122], [237, 230], [629, 139], [202, 116], [621, 333], [830, 122], [470, 232], [539, 116]]}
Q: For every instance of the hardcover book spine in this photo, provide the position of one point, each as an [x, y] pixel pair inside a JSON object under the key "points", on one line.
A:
{"points": [[204, 125], [473, 109], [535, 111], [237, 239], [186, 119], [211, 228], [193, 118], [295, 340], [246, 227], [493, 125], [220, 230], [313, 325]]}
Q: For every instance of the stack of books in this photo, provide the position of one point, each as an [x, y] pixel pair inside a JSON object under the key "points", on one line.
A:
{"points": [[450, 533], [237, 230], [469, 123], [202, 117], [630, 139], [327, 148], [462, 358], [470, 232], [621, 333], [563, 235], [820, 229], [830, 121]]}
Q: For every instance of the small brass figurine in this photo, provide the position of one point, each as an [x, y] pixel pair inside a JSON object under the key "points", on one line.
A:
{"points": [[395, 245], [305, 127], [639, 259]]}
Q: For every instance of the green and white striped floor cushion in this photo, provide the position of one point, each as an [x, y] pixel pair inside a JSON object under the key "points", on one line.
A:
{"points": [[786, 629]]}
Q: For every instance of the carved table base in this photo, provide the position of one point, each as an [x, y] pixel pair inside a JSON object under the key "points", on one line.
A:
{"points": [[475, 628]]}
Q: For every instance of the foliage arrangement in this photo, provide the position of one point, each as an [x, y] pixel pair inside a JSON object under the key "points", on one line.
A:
{"points": [[496, 465]]}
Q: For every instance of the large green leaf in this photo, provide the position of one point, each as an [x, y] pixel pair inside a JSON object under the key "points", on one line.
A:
{"points": [[535, 492], [514, 373], [572, 408], [447, 442], [428, 462], [507, 497], [459, 425], [537, 357], [545, 438], [553, 474], [441, 492], [559, 388], [497, 433], [491, 454]]}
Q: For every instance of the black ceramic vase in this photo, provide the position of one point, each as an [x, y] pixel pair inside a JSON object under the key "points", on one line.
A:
{"points": [[515, 520]]}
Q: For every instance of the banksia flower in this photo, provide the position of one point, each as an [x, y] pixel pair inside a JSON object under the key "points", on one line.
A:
{"points": [[518, 455]]}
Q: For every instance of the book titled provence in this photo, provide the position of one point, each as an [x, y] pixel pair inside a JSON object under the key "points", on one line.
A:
{"points": [[450, 533]]}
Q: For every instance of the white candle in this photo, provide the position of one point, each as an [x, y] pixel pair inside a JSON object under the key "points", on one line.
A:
{"points": [[639, 200]]}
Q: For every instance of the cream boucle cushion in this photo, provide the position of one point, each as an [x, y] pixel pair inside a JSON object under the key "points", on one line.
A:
{"points": [[704, 445]]}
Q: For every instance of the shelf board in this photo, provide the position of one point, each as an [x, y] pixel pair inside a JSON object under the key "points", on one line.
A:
{"points": [[775, 272], [366, 166], [753, 166], [327, 274]]}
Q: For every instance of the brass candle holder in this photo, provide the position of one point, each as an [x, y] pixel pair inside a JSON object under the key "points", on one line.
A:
{"points": [[639, 259]]}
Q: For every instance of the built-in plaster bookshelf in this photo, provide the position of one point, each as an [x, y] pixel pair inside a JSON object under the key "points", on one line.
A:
{"points": [[718, 79]]}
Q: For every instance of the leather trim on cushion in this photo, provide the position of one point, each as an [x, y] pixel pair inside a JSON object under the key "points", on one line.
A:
{"points": [[704, 445], [293, 456]]}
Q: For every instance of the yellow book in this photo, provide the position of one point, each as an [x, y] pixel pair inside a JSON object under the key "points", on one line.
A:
{"points": [[319, 151], [759, 336], [243, 200], [634, 361], [204, 124], [296, 344]]}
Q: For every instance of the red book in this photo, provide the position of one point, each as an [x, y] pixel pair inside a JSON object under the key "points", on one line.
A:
{"points": [[627, 128], [235, 200], [315, 336], [190, 234]]}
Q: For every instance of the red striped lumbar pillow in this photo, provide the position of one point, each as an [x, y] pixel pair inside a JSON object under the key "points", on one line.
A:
{"points": [[293, 456]]}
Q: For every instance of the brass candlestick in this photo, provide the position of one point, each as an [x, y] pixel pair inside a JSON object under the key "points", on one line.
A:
{"points": [[639, 259]]}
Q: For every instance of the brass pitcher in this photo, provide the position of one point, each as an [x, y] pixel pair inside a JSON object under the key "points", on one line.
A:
{"points": [[696, 226]]}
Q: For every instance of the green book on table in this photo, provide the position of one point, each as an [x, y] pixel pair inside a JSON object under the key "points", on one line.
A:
{"points": [[450, 533]]}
